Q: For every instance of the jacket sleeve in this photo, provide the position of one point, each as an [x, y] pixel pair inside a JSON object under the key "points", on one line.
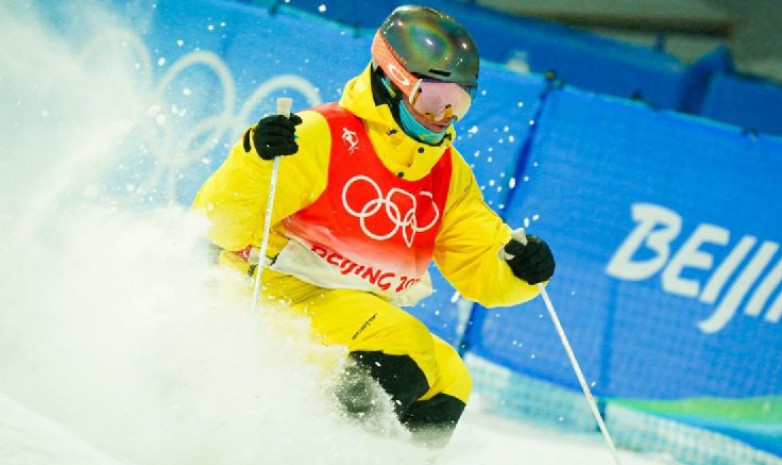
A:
{"points": [[468, 245], [235, 197]]}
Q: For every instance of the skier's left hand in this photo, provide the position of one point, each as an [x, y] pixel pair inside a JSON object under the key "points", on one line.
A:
{"points": [[533, 262]]}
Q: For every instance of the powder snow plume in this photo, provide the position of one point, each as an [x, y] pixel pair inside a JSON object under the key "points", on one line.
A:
{"points": [[114, 327]]}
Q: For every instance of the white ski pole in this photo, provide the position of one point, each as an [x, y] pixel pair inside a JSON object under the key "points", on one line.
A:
{"points": [[283, 108], [521, 237]]}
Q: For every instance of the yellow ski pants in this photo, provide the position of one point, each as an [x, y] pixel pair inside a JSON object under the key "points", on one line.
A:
{"points": [[425, 376]]}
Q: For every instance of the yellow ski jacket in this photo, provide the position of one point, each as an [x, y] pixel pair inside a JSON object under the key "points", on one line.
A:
{"points": [[466, 251]]}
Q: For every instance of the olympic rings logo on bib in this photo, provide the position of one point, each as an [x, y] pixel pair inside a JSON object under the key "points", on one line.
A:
{"points": [[382, 216]]}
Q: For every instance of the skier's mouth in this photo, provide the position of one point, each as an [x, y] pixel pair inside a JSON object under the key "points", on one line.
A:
{"points": [[437, 126]]}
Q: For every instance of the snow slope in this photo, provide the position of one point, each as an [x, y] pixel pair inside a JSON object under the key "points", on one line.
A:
{"points": [[27, 438]]}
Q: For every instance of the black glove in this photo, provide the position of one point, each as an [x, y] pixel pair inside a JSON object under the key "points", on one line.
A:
{"points": [[534, 262], [275, 135]]}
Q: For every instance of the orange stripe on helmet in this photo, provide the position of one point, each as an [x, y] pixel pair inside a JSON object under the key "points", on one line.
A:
{"points": [[391, 64]]}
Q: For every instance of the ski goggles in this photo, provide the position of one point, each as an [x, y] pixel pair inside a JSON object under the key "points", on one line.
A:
{"points": [[433, 99]]}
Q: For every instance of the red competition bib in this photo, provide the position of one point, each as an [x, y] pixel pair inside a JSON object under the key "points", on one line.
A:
{"points": [[369, 229]]}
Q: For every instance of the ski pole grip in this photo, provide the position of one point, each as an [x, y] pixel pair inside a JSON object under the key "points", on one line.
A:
{"points": [[284, 106], [519, 235]]}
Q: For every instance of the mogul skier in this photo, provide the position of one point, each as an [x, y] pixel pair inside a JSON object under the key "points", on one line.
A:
{"points": [[370, 191]]}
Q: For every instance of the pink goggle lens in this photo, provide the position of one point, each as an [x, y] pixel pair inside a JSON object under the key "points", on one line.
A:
{"points": [[438, 100]]}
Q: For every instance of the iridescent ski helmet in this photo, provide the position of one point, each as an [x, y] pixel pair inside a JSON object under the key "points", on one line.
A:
{"points": [[428, 44]]}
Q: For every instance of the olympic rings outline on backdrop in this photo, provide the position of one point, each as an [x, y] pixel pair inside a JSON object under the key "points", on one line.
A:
{"points": [[174, 150], [407, 223]]}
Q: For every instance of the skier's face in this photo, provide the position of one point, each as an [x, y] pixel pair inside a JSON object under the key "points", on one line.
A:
{"points": [[439, 100], [433, 102], [434, 126]]}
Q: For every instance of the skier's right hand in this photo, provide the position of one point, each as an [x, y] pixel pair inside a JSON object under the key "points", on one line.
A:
{"points": [[275, 135]]}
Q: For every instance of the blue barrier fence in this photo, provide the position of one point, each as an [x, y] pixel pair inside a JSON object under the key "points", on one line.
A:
{"points": [[666, 227], [669, 270], [750, 103]]}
